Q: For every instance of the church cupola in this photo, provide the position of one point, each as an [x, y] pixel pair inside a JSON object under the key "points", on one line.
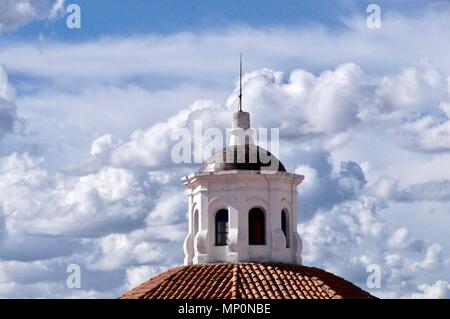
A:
{"points": [[242, 204], [242, 223]]}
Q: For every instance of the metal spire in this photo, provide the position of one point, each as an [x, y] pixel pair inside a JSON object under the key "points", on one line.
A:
{"points": [[240, 83]]}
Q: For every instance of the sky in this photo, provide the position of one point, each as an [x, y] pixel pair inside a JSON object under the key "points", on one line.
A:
{"points": [[87, 116]]}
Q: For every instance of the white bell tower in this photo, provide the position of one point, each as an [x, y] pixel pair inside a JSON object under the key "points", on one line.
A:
{"points": [[242, 211], [242, 205]]}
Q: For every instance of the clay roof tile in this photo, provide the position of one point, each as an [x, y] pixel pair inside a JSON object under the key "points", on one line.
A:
{"points": [[246, 281]]}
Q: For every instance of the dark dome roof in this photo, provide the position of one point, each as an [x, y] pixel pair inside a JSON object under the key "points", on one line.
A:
{"points": [[246, 281], [242, 157]]}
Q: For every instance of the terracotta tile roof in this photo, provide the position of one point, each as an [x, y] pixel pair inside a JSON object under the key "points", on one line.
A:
{"points": [[246, 281]]}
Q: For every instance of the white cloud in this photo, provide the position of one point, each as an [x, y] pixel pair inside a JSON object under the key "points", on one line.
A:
{"points": [[121, 213], [106, 108], [439, 290], [437, 190], [333, 104], [324, 185], [7, 92], [20, 177], [413, 103], [111, 59], [385, 188], [2, 224], [354, 234], [44, 279], [412, 88], [8, 113], [388, 188], [399, 239], [134, 218], [138, 275], [39, 202], [111, 184], [435, 137], [296, 99], [327, 103], [21, 272], [16, 13], [168, 207], [311, 181], [152, 147], [118, 251], [394, 261], [57, 8], [432, 259], [322, 111], [102, 144]]}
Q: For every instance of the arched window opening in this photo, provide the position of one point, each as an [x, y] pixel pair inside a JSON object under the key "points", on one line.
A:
{"points": [[222, 227], [256, 227], [285, 226], [196, 223]]}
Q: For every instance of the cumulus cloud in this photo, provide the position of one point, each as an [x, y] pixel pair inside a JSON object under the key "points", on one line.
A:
{"points": [[121, 213], [347, 235], [432, 191], [102, 144], [413, 88], [38, 202], [118, 251], [152, 147], [351, 224], [173, 201], [16, 13], [308, 105], [8, 112], [321, 111], [327, 103], [323, 187], [20, 177], [2, 224], [52, 220], [388, 188], [47, 279], [384, 188], [336, 200], [131, 214], [417, 100], [354, 235], [432, 260], [439, 290], [139, 274]]}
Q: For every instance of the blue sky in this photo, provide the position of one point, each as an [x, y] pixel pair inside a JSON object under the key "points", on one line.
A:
{"points": [[109, 18], [86, 118]]}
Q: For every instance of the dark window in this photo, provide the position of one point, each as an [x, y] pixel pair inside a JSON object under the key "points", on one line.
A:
{"points": [[256, 227], [284, 226], [196, 223], [221, 227]]}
